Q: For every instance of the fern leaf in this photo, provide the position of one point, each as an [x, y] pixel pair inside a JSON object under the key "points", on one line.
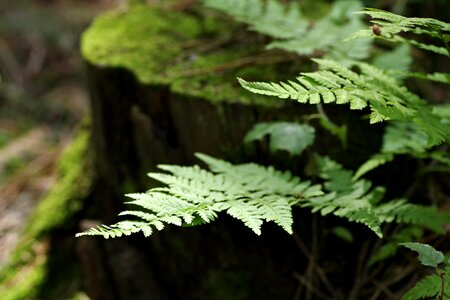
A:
{"points": [[423, 215], [401, 23], [429, 287], [403, 137], [374, 162], [244, 211], [396, 62], [374, 87], [273, 18], [351, 200], [278, 210], [437, 77], [251, 193], [391, 25], [293, 32]]}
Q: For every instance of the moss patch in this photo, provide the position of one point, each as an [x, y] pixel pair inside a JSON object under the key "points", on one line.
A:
{"points": [[139, 39], [168, 48], [67, 196], [27, 271]]}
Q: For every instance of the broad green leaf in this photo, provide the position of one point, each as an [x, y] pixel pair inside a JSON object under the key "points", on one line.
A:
{"points": [[428, 256], [291, 137]]}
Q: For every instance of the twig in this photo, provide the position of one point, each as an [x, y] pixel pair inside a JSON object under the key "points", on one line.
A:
{"points": [[261, 59], [320, 272], [441, 296], [376, 294], [383, 288], [309, 286], [361, 272]]}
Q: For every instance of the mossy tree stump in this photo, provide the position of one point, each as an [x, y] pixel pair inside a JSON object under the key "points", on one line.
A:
{"points": [[162, 88]]}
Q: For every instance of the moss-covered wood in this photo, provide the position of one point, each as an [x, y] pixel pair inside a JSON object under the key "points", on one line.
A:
{"points": [[44, 265]]}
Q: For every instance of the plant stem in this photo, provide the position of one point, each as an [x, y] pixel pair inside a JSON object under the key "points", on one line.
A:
{"points": [[441, 296]]}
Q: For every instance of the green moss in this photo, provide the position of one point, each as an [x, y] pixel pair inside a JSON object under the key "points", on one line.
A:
{"points": [[26, 273], [66, 197], [140, 39], [214, 77], [24, 284], [157, 47]]}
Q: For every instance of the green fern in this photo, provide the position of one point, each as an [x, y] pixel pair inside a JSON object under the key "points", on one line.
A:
{"points": [[403, 212], [370, 87], [390, 25], [295, 33], [351, 200], [398, 138], [267, 17], [357, 201], [402, 138], [434, 286], [430, 287], [255, 194], [436, 77], [248, 192]]}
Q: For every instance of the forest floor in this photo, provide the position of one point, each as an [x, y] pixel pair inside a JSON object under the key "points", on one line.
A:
{"points": [[42, 99]]}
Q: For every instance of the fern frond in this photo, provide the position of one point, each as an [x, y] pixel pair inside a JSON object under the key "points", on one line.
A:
{"points": [[347, 199], [424, 215], [429, 287], [248, 192], [394, 23], [370, 87], [403, 137], [271, 18], [390, 25], [375, 161], [396, 62], [437, 77], [293, 31]]}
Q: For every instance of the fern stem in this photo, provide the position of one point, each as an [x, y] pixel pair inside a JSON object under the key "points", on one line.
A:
{"points": [[441, 296], [322, 275], [305, 282]]}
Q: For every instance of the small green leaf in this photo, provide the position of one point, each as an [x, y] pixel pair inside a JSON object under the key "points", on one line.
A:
{"points": [[428, 256], [343, 233], [291, 137]]}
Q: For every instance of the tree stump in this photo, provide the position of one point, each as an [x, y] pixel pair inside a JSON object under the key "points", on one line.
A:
{"points": [[162, 88]]}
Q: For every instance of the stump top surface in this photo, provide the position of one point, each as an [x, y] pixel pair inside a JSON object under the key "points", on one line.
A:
{"points": [[169, 48]]}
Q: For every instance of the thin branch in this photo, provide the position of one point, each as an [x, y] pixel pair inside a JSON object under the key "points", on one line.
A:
{"points": [[310, 286]]}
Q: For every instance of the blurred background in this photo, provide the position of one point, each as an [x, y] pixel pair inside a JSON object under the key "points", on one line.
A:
{"points": [[42, 98]]}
